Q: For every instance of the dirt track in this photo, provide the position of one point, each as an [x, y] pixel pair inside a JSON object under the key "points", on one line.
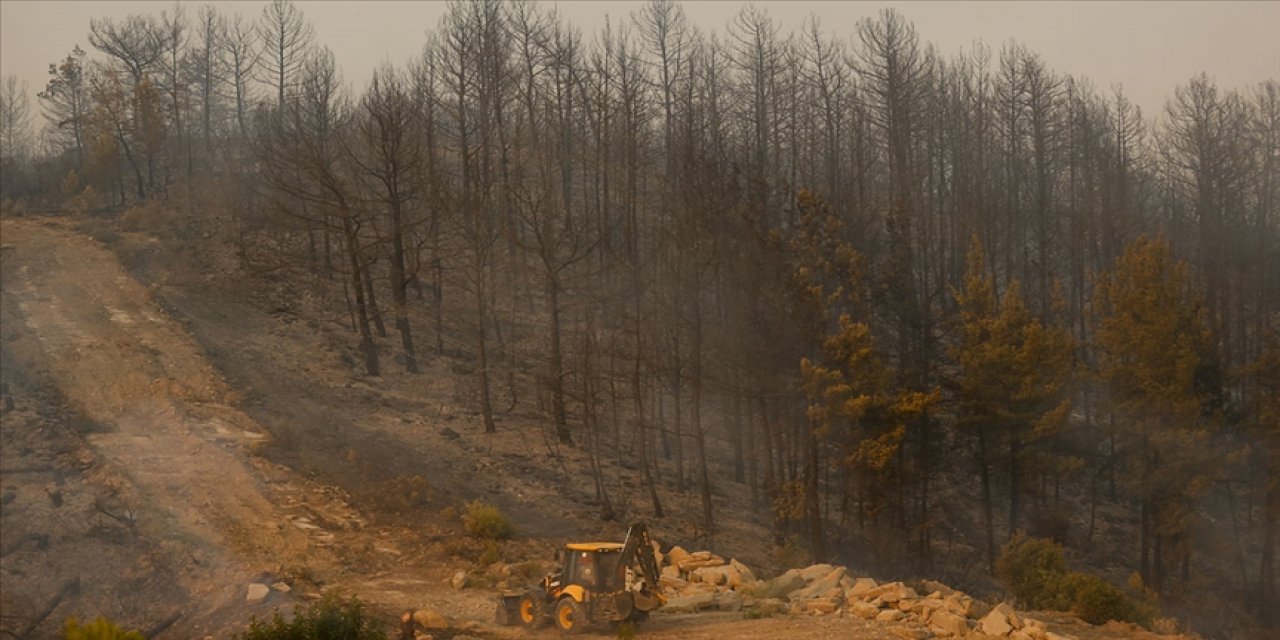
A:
{"points": [[164, 422]]}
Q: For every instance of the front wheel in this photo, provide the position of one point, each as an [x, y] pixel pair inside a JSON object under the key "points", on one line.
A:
{"points": [[571, 616]]}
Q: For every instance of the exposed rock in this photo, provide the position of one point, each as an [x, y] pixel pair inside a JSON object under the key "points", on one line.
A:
{"points": [[897, 592], [676, 555], [1020, 635], [864, 610], [922, 607], [430, 619], [944, 590], [695, 562], [691, 588], [721, 575], [256, 593], [418, 635], [815, 571], [826, 587], [281, 587], [822, 605], [744, 572], [860, 587], [910, 633], [769, 606], [459, 580], [671, 572], [947, 624], [690, 603], [959, 604], [782, 585], [729, 601], [1000, 621], [890, 615]]}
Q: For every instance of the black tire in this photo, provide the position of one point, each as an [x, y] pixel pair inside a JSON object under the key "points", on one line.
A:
{"points": [[571, 616], [529, 613]]}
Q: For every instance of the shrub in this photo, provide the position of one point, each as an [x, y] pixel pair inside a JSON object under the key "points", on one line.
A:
{"points": [[1096, 601], [332, 618], [99, 629], [492, 553], [1032, 569], [484, 520]]}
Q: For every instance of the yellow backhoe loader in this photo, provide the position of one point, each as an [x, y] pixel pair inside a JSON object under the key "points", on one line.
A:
{"points": [[597, 582]]}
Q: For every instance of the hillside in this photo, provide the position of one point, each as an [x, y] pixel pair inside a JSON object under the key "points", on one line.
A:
{"points": [[180, 431]]}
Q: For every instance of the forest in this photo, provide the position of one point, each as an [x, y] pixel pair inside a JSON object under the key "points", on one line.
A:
{"points": [[914, 301]]}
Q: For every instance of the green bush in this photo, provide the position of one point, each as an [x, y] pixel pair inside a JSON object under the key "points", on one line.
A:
{"points": [[484, 520], [332, 618], [1096, 601], [99, 629], [1032, 569]]}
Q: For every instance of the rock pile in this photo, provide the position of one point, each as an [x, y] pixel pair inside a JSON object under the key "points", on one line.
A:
{"points": [[701, 580]]}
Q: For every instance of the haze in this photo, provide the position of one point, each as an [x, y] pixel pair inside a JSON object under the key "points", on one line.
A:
{"points": [[1147, 47]]}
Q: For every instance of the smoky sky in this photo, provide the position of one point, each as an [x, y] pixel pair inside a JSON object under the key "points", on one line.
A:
{"points": [[1147, 47]]}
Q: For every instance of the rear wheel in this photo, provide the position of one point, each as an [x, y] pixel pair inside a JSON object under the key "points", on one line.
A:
{"points": [[529, 611], [571, 616]]}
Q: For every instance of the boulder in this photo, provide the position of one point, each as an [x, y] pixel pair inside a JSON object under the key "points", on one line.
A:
{"points": [[674, 585], [693, 588], [897, 592], [744, 572], [281, 587], [459, 580], [257, 592], [671, 572], [942, 589], [919, 606], [947, 624], [676, 555], [780, 586], [1020, 635], [693, 563], [430, 619], [690, 603], [910, 633], [864, 610], [729, 601], [816, 571], [769, 607], [721, 575], [825, 587], [959, 604], [822, 605], [1000, 621], [890, 615], [860, 587]]}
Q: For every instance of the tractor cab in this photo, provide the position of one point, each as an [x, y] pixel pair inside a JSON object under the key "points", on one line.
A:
{"points": [[594, 566]]}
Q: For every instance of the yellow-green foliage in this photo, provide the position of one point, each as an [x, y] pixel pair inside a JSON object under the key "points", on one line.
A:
{"points": [[332, 618], [1034, 571], [484, 520], [99, 629], [1014, 369], [1096, 601]]}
